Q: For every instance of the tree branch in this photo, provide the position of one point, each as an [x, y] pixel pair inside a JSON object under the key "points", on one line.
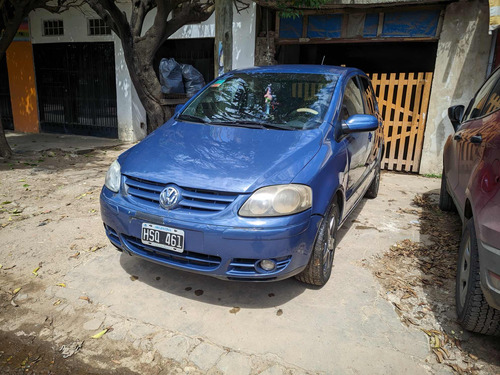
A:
{"points": [[188, 12], [113, 16], [139, 11]]}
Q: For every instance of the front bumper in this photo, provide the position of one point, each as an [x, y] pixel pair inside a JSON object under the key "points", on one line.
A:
{"points": [[489, 258], [225, 252]]}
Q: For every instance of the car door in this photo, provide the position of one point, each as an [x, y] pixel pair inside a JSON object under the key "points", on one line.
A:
{"points": [[467, 140], [371, 108], [357, 150]]}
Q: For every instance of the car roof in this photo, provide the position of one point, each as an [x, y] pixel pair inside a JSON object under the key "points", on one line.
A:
{"points": [[308, 69]]}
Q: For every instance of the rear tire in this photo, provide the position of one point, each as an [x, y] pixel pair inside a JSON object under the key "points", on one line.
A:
{"points": [[372, 191], [445, 199], [320, 264], [474, 313]]}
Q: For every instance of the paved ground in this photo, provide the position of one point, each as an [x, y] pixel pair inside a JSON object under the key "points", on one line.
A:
{"points": [[161, 321]]}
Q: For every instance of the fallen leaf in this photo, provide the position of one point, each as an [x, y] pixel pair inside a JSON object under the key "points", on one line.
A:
{"points": [[445, 352], [15, 291], [96, 247], [35, 271], [58, 302], [85, 298], [75, 255], [115, 361], [100, 334], [234, 310], [439, 355], [279, 312], [475, 358], [1, 266], [133, 277], [437, 344], [62, 285]]}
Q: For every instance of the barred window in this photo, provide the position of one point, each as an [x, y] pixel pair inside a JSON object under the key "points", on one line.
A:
{"points": [[98, 27], [53, 27]]}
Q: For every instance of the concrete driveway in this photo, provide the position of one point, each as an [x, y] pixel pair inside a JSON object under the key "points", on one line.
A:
{"points": [[163, 321]]}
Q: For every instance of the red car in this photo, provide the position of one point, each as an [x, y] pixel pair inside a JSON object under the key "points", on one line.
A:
{"points": [[471, 184]]}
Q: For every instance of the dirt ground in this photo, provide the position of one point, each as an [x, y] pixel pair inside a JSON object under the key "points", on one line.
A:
{"points": [[60, 313]]}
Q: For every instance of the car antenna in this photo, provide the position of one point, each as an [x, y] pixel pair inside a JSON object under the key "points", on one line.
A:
{"points": [[323, 60]]}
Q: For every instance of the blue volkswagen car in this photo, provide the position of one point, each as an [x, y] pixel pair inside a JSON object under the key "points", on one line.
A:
{"points": [[251, 179]]}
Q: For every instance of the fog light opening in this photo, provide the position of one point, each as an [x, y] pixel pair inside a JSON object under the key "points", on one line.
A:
{"points": [[267, 264]]}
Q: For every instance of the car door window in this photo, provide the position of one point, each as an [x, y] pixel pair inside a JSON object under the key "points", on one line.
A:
{"points": [[369, 95], [493, 102], [353, 101], [475, 109]]}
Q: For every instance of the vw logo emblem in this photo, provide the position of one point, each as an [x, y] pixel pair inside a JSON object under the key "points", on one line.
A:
{"points": [[169, 197]]}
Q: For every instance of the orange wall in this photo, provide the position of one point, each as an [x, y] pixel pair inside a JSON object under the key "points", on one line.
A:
{"points": [[22, 87]]}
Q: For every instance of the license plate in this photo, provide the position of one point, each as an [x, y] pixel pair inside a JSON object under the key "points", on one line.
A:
{"points": [[164, 237]]}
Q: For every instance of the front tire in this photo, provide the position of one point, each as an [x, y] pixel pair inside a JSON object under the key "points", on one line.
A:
{"points": [[372, 191], [473, 311], [320, 264]]}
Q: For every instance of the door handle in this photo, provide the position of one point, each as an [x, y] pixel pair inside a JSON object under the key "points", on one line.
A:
{"points": [[477, 139], [457, 137]]}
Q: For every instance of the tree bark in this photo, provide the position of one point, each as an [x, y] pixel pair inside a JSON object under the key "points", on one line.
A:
{"points": [[140, 50], [223, 36], [5, 150]]}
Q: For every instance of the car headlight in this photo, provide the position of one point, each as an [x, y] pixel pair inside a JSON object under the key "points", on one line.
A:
{"points": [[277, 200], [113, 177]]}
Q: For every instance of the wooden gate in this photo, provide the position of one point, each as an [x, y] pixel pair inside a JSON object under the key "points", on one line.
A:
{"points": [[403, 100]]}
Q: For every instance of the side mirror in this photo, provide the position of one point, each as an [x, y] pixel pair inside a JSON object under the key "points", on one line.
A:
{"points": [[178, 108], [455, 115], [360, 123]]}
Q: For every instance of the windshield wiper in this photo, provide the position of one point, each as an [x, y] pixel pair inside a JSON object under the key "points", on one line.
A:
{"points": [[253, 124], [191, 118]]}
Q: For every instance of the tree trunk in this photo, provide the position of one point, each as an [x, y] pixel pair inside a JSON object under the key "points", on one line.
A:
{"points": [[146, 83], [5, 150], [223, 36]]}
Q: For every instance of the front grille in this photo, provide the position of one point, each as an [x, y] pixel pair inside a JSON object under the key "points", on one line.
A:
{"points": [[246, 267], [188, 259], [148, 192]]}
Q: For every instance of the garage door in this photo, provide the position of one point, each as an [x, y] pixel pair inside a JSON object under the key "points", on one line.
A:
{"points": [[77, 88]]}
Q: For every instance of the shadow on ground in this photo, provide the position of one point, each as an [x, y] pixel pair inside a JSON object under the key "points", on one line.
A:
{"points": [[440, 262], [419, 279], [206, 289]]}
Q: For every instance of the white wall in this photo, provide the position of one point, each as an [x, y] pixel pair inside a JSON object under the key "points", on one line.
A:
{"points": [[461, 64], [130, 116], [131, 113]]}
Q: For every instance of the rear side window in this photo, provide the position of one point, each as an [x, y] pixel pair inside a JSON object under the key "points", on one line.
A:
{"points": [[369, 95], [479, 102], [353, 101]]}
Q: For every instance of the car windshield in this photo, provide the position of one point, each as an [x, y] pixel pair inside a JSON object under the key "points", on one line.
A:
{"points": [[290, 101]]}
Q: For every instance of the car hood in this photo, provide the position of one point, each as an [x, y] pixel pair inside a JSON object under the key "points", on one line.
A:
{"points": [[221, 158]]}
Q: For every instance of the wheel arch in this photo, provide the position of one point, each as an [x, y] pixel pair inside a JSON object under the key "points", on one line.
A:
{"points": [[467, 210]]}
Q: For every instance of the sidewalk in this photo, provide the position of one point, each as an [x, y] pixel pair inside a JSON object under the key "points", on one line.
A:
{"points": [[29, 142]]}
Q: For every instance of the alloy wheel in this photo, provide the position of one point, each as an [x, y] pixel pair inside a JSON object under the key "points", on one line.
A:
{"points": [[329, 245], [464, 272]]}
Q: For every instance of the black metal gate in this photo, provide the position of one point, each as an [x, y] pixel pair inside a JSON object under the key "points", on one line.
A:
{"points": [[76, 88], [5, 106]]}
